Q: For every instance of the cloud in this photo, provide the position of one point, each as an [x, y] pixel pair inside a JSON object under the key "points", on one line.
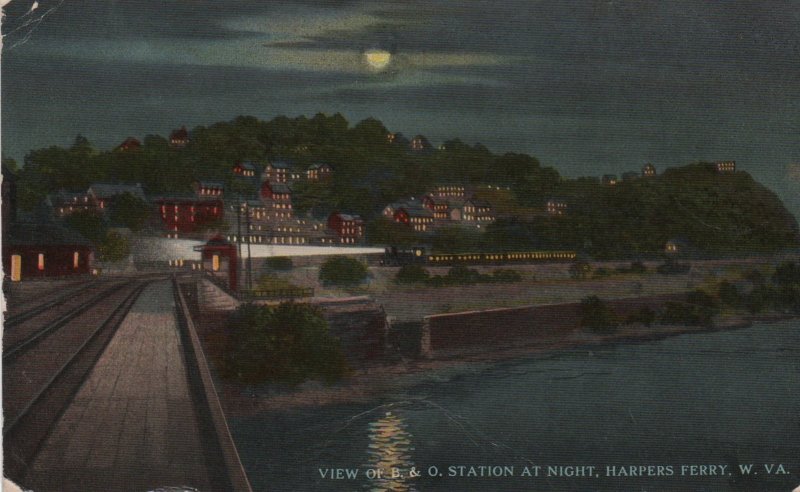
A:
{"points": [[793, 172]]}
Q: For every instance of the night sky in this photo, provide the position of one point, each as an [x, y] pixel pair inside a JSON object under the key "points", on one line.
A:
{"points": [[588, 87]]}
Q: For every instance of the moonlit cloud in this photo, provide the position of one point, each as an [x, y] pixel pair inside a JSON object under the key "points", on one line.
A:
{"points": [[793, 172]]}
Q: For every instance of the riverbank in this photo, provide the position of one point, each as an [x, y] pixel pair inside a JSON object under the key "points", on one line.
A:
{"points": [[387, 380]]}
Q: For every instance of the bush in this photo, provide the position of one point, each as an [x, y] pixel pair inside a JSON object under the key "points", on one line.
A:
{"points": [[679, 313], [672, 267], [638, 267], [580, 270], [729, 294], [342, 270], [701, 298], [409, 274], [645, 316], [506, 275], [598, 316], [786, 274], [601, 272], [280, 263], [288, 343]]}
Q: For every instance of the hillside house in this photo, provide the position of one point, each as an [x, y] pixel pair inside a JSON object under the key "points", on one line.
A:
{"points": [[319, 172], [420, 144], [477, 212], [418, 218], [280, 171], [725, 166], [179, 138], [438, 206], [449, 191], [648, 171], [556, 206], [104, 194], [64, 203], [208, 188], [278, 198], [348, 228], [609, 179], [130, 143], [245, 169]]}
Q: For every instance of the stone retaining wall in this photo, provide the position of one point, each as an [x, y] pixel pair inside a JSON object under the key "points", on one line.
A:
{"points": [[496, 327]]}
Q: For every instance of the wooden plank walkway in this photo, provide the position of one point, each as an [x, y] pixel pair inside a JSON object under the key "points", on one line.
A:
{"points": [[133, 424]]}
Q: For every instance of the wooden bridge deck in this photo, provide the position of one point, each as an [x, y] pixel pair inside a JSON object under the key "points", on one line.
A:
{"points": [[133, 425]]}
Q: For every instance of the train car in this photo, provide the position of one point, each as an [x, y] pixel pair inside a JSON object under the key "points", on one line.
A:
{"points": [[501, 258], [394, 256]]}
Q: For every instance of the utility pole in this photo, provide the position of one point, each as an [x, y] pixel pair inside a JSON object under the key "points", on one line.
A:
{"points": [[239, 235], [249, 238]]}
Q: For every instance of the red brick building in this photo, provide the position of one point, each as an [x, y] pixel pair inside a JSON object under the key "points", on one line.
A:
{"points": [[44, 249], [349, 228], [184, 214]]}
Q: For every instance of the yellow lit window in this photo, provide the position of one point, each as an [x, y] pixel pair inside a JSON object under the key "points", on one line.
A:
{"points": [[40, 264], [76, 259]]}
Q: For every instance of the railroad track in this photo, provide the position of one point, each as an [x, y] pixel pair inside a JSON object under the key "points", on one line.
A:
{"points": [[16, 319], [38, 385], [22, 334]]}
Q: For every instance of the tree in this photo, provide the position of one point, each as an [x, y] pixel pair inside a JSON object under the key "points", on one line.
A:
{"points": [[288, 343], [88, 224], [342, 270], [598, 316], [129, 211], [114, 247], [409, 274]]}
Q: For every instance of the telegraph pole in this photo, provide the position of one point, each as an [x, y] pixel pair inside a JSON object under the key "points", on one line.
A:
{"points": [[249, 238]]}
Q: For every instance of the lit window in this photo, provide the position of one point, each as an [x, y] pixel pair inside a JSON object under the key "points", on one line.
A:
{"points": [[76, 258], [40, 264]]}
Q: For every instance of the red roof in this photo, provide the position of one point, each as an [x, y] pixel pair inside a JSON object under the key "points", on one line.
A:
{"points": [[130, 143]]}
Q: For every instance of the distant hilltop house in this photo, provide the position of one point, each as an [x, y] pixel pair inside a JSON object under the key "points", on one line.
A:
{"points": [[609, 179], [648, 170], [130, 143], [725, 166], [420, 144], [319, 172], [246, 169], [179, 138], [208, 188], [556, 206], [349, 228]]}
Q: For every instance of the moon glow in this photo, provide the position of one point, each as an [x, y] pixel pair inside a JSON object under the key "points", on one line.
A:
{"points": [[378, 59]]}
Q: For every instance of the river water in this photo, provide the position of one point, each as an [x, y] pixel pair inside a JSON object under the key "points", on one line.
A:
{"points": [[715, 401]]}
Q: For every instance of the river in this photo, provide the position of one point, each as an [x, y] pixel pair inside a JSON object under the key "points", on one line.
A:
{"points": [[684, 404]]}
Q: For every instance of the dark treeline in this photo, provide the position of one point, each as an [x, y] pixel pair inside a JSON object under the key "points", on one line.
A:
{"points": [[716, 213]]}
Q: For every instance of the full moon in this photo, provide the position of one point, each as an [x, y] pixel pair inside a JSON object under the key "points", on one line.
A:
{"points": [[378, 59]]}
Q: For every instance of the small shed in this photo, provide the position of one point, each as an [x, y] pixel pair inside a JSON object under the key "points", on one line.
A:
{"points": [[219, 257]]}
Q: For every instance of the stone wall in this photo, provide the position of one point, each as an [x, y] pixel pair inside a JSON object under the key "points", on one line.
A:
{"points": [[508, 326]]}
